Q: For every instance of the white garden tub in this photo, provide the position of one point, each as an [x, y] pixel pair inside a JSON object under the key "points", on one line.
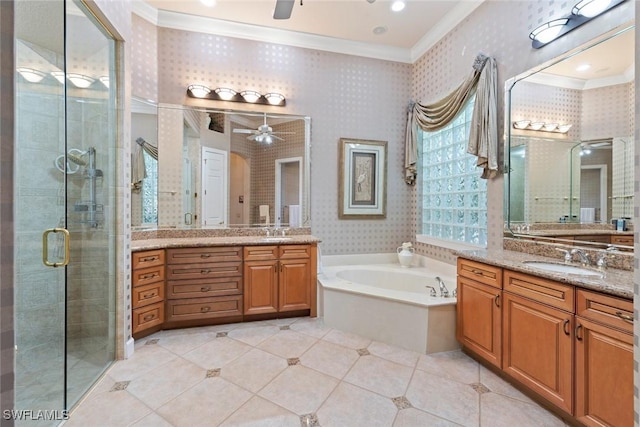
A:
{"points": [[373, 296]]}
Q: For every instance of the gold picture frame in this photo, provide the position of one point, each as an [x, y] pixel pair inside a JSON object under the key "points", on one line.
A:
{"points": [[362, 179]]}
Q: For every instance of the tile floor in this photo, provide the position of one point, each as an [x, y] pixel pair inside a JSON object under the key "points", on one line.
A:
{"points": [[297, 372]]}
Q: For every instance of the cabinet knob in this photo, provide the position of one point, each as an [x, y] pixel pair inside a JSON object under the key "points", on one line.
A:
{"points": [[205, 309]]}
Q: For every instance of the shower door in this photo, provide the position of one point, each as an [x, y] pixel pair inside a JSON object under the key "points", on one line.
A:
{"points": [[64, 204]]}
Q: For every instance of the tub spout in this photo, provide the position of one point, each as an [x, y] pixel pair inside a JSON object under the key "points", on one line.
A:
{"points": [[444, 292]]}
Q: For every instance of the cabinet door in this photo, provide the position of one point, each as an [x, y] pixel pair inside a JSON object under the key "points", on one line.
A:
{"points": [[260, 287], [604, 375], [538, 348], [294, 285], [479, 319]]}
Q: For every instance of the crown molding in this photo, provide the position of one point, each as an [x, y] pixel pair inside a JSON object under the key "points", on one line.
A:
{"points": [[145, 11], [180, 21], [579, 84], [443, 27]]}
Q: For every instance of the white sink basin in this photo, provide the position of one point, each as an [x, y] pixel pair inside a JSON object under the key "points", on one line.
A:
{"points": [[275, 239], [563, 268]]}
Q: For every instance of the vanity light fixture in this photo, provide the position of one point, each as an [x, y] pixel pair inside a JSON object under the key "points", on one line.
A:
{"points": [[59, 76], [227, 94], [80, 80], [541, 126], [274, 98], [104, 80], [250, 96], [581, 13], [31, 75]]}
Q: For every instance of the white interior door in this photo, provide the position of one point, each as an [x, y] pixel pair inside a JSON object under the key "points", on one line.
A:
{"points": [[214, 187]]}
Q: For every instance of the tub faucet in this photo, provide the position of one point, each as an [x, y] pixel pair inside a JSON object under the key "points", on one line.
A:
{"points": [[444, 292], [432, 292]]}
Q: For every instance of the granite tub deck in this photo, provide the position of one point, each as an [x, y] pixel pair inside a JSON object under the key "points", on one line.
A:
{"points": [[193, 242], [615, 282]]}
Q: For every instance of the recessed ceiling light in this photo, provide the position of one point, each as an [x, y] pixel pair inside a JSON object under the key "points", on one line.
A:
{"points": [[583, 67], [208, 3], [397, 5], [379, 30]]}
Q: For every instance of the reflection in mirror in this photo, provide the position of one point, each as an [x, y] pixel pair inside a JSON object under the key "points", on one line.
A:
{"points": [[569, 144], [232, 169], [144, 188]]}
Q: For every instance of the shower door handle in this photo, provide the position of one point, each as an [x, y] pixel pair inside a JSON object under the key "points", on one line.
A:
{"points": [[45, 247]]}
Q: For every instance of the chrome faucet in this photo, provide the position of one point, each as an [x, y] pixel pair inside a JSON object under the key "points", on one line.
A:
{"points": [[444, 292], [584, 258], [432, 292]]}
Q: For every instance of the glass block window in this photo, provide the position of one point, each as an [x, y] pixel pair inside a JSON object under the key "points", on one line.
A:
{"points": [[454, 198], [150, 190]]}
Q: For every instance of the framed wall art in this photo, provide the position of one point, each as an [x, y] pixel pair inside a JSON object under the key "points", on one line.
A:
{"points": [[362, 179]]}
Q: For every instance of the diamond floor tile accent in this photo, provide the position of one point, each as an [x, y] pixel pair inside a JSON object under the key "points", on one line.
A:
{"points": [[363, 352], [222, 334], [402, 402], [120, 385], [309, 420], [293, 361], [480, 388], [213, 373], [152, 341], [285, 328]]}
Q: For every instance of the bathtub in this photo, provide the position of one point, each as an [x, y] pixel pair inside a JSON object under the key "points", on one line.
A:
{"points": [[373, 296]]}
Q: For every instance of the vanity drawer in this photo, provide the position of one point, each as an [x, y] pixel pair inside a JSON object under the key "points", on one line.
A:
{"points": [[625, 240], [541, 290], [294, 251], [146, 276], [483, 273], [260, 253], [204, 270], [204, 308], [147, 317], [606, 309], [208, 254], [199, 288], [147, 259], [147, 294]]}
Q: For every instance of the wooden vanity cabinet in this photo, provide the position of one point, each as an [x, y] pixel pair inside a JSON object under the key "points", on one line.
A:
{"points": [[279, 278], [147, 291], [537, 336], [479, 313], [604, 360], [203, 284]]}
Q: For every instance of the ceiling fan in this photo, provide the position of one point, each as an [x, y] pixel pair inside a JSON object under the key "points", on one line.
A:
{"points": [[283, 9], [264, 133]]}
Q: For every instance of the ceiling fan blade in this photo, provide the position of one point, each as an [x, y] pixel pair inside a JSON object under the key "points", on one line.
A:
{"points": [[283, 9], [283, 133], [252, 137], [243, 131], [276, 137]]}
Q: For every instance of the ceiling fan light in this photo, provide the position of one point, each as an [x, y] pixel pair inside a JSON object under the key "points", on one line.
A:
{"points": [[590, 8], [225, 93], [199, 91], [250, 95], [548, 31], [521, 124], [31, 75], [274, 98], [80, 80], [268, 139]]}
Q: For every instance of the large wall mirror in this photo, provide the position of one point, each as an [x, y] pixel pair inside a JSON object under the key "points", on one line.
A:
{"points": [[219, 168], [570, 144]]}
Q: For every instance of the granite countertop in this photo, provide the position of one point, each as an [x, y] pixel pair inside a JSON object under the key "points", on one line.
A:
{"points": [[575, 232], [615, 282], [190, 242]]}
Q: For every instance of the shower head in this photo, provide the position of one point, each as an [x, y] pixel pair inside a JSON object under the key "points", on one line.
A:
{"points": [[77, 159]]}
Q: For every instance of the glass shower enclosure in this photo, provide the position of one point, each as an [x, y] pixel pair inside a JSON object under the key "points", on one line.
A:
{"points": [[64, 203]]}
